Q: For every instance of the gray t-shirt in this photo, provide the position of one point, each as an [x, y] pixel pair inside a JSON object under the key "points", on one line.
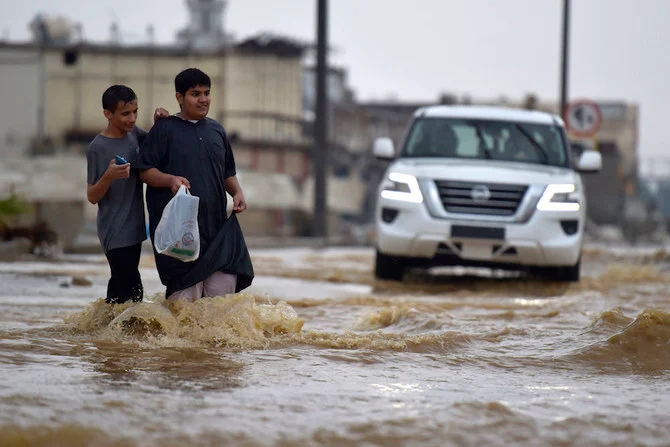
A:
{"points": [[121, 211]]}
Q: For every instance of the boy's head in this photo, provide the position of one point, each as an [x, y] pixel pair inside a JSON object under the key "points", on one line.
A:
{"points": [[192, 88], [119, 104]]}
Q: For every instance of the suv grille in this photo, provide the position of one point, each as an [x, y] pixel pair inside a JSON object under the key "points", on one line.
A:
{"points": [[480, 198]]}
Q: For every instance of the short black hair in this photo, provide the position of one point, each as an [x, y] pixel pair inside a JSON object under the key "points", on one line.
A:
{"points": [[189, 78], [116, 94]]}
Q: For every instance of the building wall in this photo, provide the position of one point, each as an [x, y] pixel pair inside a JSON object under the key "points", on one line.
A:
{"points": [[620, 125], [297, 164], [249, 92], [19, 91], [257, 97], [266, 83], [294, 163], [263, 87], [74, 92]]}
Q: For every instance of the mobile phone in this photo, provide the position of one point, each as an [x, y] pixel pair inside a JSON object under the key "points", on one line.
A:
{"points": [[120, 160]]}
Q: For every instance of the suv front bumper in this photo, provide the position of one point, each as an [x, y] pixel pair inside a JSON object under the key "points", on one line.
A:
{"points": [[546, 238]]}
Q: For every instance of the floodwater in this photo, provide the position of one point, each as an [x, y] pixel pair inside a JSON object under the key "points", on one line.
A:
{"points": [[317, 353]]}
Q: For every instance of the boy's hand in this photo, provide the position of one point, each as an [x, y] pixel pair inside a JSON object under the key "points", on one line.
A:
{"points": [[239, 203], [176, 182], [160, 113], [115, 172]]}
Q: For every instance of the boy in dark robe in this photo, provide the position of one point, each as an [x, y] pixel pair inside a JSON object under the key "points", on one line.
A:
{"points": [[192, 150]]}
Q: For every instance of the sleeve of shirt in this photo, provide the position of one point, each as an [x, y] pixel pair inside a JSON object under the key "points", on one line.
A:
{"points": [[92, 175], [153, 149], [229, 170], [140, 134]]}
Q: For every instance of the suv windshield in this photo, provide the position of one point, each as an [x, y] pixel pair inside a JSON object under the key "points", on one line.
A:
{"points": [[484, 139]]}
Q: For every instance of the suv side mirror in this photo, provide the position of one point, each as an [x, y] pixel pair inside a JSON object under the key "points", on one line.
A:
{"points": [[590, 161], [383, 148]]}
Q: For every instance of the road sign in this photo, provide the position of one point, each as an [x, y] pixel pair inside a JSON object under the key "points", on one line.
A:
{"points": [[583, 118]]}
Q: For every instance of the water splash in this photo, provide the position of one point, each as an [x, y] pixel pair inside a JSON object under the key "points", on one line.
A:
{"points": [[405, 318], [234, 321], [609, 321], [96, 316]]}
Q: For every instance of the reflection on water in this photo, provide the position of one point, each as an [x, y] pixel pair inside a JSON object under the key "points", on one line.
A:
{"points": [[333, 357], [170, 368]]}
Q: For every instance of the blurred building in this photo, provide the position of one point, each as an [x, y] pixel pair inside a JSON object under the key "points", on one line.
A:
{"points": [[255, 93], [258, 90], [19, 68]]}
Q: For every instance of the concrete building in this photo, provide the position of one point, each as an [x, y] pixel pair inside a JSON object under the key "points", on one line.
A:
{"points": [[256, 89], [20, 93], [257, 93]]}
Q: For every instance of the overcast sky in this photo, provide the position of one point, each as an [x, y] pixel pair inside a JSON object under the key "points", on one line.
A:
{"points": [[416, 49]]}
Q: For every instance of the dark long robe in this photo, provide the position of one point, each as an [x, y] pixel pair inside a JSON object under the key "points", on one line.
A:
{"points": [[201, 153]]}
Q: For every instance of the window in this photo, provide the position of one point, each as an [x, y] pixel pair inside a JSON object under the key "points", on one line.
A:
{"points": [[485, 139]]}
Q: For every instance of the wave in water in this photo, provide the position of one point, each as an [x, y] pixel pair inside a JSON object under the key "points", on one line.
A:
{"points": [[643, 344]]}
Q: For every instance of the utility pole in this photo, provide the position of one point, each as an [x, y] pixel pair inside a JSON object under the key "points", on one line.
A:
{"points": [[42, 38], [41, 96], [320, 150], [564, 57]]}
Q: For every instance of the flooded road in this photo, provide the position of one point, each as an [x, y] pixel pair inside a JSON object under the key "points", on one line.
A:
{"points": [[318, 353]]}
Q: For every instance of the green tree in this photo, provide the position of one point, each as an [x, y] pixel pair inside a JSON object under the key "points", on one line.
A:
{"points": [[13, 206]]}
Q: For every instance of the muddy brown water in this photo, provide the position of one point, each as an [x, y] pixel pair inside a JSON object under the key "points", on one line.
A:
{"points": [[318, 353]]}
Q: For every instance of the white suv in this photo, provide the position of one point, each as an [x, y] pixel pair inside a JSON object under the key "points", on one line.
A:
{"points": [[484, 187]]}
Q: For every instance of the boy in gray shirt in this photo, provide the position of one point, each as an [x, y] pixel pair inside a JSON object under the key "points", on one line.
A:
{"points": [[116, 187]]}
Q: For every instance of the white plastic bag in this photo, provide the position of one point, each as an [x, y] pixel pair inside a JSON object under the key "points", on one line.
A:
{"points": [[177, 233]]}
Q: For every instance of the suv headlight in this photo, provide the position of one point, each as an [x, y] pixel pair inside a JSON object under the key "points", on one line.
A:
{"points": [[402, 187], [559, 197]]}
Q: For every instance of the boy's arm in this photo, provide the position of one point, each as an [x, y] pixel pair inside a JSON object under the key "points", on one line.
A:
{"points": [[230, 182], [152, 158], [160, 113], [234, 188], [97, 191], [157, 179], [141, 134]]}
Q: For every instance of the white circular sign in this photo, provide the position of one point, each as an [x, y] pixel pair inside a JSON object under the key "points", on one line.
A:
{"points": [[583, 118]]}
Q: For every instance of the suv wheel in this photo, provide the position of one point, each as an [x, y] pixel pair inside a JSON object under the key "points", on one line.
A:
{"points": [[562, 274], [389, 267]]}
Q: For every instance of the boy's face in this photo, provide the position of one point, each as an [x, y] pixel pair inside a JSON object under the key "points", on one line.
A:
{"points": [[195, 103], [124, 117]]}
